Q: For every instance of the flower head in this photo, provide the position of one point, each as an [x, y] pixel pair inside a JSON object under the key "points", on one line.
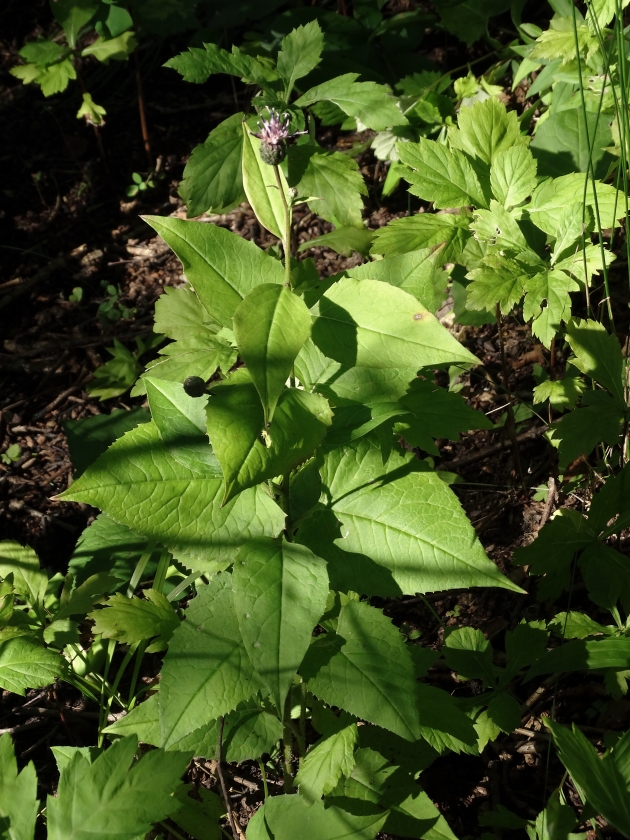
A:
{"points": [[275, 129]]}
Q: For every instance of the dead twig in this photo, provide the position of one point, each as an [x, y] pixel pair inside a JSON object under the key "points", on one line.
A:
{"points": [[233, 821], [39, 276], [530, 434]]}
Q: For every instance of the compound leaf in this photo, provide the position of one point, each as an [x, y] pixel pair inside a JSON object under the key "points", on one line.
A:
{"points": [[289, 816], [19, 804], [130, 620], [440, 175], [513, 175], [109, 799], [424, 230]]}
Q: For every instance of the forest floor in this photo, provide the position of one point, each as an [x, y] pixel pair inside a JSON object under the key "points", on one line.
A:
{"points": [[66, 222]]}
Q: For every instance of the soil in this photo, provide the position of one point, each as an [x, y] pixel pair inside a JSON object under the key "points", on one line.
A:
{"points": [[66, 222]]}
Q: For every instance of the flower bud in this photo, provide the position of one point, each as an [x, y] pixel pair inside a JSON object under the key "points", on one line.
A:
{"points": [[194, 386], [273, 153]]}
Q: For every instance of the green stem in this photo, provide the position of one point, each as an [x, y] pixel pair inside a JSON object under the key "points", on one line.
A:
{"points": [[287, 229], [263, 773], [136, 671], [287, 768], [140, 567], [160, 575], [302, 738]]}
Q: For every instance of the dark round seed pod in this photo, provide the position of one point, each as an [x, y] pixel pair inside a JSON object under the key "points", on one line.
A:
{"points": [[273, 153], [194, 386]]}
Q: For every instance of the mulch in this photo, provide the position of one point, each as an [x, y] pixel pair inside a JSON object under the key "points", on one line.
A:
{"points": [[66, 222]]}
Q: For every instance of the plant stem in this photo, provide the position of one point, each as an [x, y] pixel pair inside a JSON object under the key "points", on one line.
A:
{"points": [[302, 738], [287, 229], [287, 769], [510, 425], [226, 799], [140, 567], [263, 773], [143, 117], [284, 498]]}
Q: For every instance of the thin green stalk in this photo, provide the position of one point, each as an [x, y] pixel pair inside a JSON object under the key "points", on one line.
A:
{"points": [[111, 647], [287, 767], [114, 688], [174, 594], [302, 738], [263, 773], [287, 229], [136, 671], [591, 172], [160, 574], [140, 567]]}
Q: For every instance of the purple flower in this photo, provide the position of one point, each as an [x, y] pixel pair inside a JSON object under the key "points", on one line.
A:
{"points": [[275, 129]]}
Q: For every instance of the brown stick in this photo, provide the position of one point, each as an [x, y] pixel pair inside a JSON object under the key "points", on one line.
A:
{"points": [[234, 825], [143, 117], [510, 425], [530, 434], [41, 275]]}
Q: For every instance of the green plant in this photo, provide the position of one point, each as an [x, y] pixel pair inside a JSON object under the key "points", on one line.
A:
{"points": [[11, 454], [111, 308], [118, 374], [139, 184]]}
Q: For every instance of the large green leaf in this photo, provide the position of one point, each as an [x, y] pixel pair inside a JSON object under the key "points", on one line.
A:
{"points": [[405, 520], [73, 15], [107, 546], [579, 431], [334, 182], [213, 176], [437, 413], [179, 314], [572, 140], [261, 187], [140, 483], [597, 354], [196, 65], [25, 663], [602, 780], [414, 272], [108, 799], [249, 731], [221, 266], [365, 669], [373, 324], [91, 436], [236, 423], [327, 761], [486, 129], [19, 804], [201, 354], [552, 196], [290, 816], [130, 620], [547, 302], [440, 175], [580, 655], [207, 671], [29, 581], [391, 789], [280, 590], [300, 52], [371, 103], [270, 326], [513, 175], [424, 230]]}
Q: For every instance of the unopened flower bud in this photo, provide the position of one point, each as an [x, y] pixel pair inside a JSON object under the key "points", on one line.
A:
{"points": [[273, 153], [194, 386]]}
